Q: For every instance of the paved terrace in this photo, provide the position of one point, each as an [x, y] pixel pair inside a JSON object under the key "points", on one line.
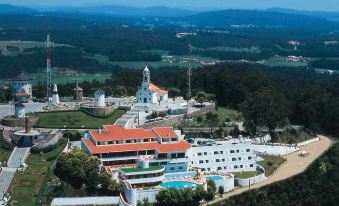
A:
{"points": [[294, 166]]}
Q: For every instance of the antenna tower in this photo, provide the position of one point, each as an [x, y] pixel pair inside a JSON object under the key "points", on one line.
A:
{"points": [[49, 65], [189, 71]]}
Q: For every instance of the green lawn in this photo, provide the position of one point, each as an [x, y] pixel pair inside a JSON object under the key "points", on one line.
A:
{"points": [[27, 185], [245, 175], [281, 63], [223, 114], [270, 163], [136, 169], [4, 155], [5, 149], [75, 119]]}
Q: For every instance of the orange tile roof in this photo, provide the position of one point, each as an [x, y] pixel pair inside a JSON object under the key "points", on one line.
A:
{"points": [[154, 88], [165, 132], [117, 132], [161, 148]]}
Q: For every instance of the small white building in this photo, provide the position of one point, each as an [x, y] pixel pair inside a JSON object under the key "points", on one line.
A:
{"points": [[148, 92], [20, 111], [99, 98], [21, 88]]}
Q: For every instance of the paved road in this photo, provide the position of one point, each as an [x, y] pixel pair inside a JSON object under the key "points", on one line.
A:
{"points": [[294, 165], [17, 157], [7, 173], [6, 177]]}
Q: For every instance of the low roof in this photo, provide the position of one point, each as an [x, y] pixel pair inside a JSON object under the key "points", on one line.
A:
{"points": [[155, 88], [161, 148]]}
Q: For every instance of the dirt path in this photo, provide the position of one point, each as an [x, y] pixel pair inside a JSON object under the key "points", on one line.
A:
{"points": [[294, 165]]}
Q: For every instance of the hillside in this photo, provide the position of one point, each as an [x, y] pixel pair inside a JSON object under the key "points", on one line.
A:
{"points": [[253, 18]]}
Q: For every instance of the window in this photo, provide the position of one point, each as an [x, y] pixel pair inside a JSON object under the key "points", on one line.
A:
{"points": [[201, 161], [249, 157], [205, 153], [216, 152], [239, 158], [248, 150], [173, 155], [181, 167], [235, 166], [241, 166], [217, 160], [234, 159], [172, 168], [225, 167], [221, 152], [251, 165], [223, 160], [206, 161], [237, 151], [199, 153], [232, 151]]}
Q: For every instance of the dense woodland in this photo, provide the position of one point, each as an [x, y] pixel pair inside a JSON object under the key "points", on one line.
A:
{"points": [[132, 43]]}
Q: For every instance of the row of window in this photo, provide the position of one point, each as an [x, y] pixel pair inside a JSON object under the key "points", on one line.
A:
{"points": [[129, 141], [223, 160], [226, 167], [221, 152]]}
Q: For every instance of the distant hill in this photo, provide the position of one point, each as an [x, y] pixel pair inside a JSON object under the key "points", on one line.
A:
{"points": [[334, 16], [259, 19], [9, 9], [156, 11]]}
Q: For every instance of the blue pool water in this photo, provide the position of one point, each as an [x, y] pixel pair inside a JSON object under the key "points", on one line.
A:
{"points": [[216, 177], [178, 184]]}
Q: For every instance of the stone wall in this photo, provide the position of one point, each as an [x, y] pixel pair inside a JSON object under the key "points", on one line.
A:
{"points": [[20, 122], [99, 111]]}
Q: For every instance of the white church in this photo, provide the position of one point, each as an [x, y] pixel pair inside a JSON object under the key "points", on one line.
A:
{"points": [[148, 92]]}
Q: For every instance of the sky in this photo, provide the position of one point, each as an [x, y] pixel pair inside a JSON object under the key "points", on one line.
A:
{"points": [[319, 5]]}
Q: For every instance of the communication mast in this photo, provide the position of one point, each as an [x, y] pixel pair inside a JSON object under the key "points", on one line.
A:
{"points": [[189, 71], [49, 65]]}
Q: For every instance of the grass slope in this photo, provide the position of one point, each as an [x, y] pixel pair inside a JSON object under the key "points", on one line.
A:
{"points": [[75, 119]]}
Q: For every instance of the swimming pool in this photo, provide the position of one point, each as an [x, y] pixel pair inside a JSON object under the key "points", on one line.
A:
{"points": [[178, 184], [215, 178]]}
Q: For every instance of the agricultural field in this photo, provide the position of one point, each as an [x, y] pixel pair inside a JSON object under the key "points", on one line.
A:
{"points": [[231, 49], [75, 119], [26, 44], [141, 64]]}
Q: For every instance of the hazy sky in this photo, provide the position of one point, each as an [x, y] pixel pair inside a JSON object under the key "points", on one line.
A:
{"points": [[328, 5]]}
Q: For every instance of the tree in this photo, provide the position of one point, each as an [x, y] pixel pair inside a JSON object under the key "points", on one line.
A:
{"points": [[211, 184], [235, 132], [78, 168], [120, 91], [221, 191], [266, 107], [201, 97], [162, 115], [211, 119], [154, 115], [209, 194]]}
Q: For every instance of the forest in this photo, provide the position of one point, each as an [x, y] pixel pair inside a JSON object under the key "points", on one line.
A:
{"points": [[133, 43]]}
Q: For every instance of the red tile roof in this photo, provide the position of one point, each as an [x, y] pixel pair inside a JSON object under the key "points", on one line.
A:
{"points": [[154, 88], [117, 132], [161, 148]]}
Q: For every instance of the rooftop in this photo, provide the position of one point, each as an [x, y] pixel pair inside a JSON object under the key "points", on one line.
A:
{"points": [[117, 132], [161, 148], [154, 88], [137, 169]]}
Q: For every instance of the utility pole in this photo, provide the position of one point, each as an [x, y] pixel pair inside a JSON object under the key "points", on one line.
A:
{"points": [[77, 90]]}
